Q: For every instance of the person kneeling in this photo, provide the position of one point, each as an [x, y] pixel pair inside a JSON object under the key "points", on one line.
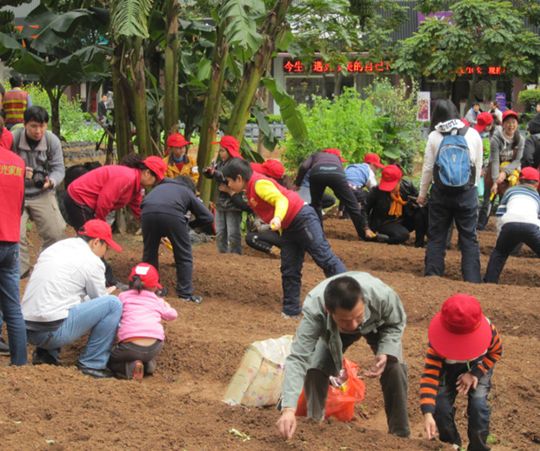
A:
{"points": [[140, 334], [52, 306]]}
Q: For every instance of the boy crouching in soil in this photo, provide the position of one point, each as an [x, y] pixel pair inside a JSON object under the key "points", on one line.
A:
{"points": [[463, 348], [301, 228]]}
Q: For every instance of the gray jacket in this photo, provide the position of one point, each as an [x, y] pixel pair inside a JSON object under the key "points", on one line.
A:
{"points": [[318, 333], [497, 145], [50, 160]]}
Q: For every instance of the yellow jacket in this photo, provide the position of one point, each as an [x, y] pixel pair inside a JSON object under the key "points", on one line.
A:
{"points": [[190, 168]]}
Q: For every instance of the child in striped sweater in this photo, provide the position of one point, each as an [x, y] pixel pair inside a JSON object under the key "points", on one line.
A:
{"points": [[463, 349]]}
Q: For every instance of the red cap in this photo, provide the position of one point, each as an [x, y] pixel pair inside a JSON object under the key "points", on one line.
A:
{"points": [[97, 228], [390, 177], [177, 140], [460, 331], [157, 166], [336, 152], [510, 113], [483, 120], [231, 144], [530, 173], [274, 169], [373, 158], [147, 273]]}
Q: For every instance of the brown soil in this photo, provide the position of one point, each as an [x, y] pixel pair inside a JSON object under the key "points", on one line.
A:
{"points": [[181, 408]]}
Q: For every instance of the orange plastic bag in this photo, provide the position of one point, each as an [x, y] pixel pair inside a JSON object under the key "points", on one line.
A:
{"points": [[340, 401]]}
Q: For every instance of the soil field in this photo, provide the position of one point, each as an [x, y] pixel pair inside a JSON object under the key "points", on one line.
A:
{"points": [[180, 407]]}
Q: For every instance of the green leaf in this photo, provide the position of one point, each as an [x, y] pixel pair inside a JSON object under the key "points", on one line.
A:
{"points": [[129, 18]]}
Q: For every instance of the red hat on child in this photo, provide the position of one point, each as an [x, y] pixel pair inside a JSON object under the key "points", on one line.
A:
{"points": [[97, 228], [231, 144], [374, 159], [274, 169], [483, 120], [510, 113], [148, 275], [157, 166], [460, 331], [529, 173], [390, 177], [336, 152], [177, 140]]}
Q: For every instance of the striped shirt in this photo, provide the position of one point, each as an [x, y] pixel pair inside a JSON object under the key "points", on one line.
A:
{"points": [[435, 364], [519, 204]]}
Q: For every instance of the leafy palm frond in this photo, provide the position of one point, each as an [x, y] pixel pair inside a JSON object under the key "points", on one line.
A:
{"points": [[239, 17], [130, 18]]}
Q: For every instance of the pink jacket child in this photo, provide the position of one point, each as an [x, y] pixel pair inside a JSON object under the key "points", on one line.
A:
{"points": [[140, 333]]}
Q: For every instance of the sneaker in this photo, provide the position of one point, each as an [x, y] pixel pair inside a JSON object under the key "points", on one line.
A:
{"points": [[41, 356], [293, 317], [94, 372], [4, 347], [192, 298], [136, 370], [161, 292], [150, 367]]}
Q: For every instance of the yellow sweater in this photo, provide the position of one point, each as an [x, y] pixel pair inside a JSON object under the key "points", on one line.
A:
{"points": [[190, 168]]}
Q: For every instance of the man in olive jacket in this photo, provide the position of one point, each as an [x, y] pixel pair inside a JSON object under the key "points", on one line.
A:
{"points": [[338, 312]]}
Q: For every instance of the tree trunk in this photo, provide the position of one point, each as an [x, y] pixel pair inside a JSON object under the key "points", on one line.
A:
{"points": [[254, 70], [170, 101], [212, 106], [122, 124], [137, 82], [54, 100]]}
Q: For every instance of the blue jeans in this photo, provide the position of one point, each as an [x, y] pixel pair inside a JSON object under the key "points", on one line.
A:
{"points": [[462, 207], [304, 234], [478, 411], [99, 317], [228, 234], [10, 306], [511, 235]]}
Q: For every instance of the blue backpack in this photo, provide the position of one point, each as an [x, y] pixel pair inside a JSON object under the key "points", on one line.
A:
{"points": [[453, 169]]}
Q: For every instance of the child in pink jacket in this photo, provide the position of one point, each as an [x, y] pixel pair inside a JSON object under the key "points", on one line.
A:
{"points": [[140, 333]]}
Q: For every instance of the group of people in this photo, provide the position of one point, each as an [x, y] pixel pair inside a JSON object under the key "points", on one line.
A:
{"points": [[125, 331]]}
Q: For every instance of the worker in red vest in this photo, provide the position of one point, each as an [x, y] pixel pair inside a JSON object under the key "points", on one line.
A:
{"points": [[16, 101]]}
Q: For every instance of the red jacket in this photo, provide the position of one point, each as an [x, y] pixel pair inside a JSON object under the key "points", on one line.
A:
{"points": [[265, 210], [12, 188], [108, 188], [6, 138]]}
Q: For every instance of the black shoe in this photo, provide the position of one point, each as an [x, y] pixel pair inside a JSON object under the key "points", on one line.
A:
{"points": [[4, 348], [98, 374], [41, 356], [382, 238], [162, 292], [192, 298]]}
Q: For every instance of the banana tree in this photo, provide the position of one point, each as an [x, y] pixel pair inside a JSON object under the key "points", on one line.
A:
{"points": [[170, 99]]}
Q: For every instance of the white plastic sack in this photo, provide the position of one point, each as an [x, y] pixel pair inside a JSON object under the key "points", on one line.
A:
{"points": [[257, 382]]}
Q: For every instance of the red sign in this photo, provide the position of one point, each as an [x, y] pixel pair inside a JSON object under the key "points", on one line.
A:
{"points": [[321, 67], [480, 70]]}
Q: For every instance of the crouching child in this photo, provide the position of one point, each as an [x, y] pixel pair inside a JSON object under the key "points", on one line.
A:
{"points": [[301, 229], [140, 333], [463, 349]]}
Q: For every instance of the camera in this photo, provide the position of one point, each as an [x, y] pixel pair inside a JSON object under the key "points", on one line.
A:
{"points": [[219, 178], [39, 177]]}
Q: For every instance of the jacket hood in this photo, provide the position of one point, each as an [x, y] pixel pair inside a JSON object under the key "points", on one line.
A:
{"points": [[445, 127]]}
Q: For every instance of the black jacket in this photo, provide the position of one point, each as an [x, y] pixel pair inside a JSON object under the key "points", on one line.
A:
{"points": [[379, 202], [315, 160]]}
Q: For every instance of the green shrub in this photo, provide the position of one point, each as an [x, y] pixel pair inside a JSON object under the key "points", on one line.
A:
{"points": [[530, 97], [348, 123], [384, 123], [75, 124]]}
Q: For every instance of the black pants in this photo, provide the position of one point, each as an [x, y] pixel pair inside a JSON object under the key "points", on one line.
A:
{"points": [[123, 354], [263, 241], [361, 197], [323, 176], [462, 207], [77, 214], [511, 235], [158, 225]]}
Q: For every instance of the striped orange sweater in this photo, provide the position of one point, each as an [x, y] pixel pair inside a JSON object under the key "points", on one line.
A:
{"points": [[434, 367]]}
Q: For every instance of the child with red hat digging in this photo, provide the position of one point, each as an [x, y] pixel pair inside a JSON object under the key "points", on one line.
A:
{"points": [[177, 159], [140, 333], [228, 215], [300, 228], [463, 349]]}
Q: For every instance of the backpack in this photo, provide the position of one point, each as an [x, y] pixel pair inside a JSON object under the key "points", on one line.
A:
{"points": [[453, 169]]}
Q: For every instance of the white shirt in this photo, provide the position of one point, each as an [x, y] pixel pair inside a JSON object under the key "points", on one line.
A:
{"points": [[63, 276], [432, 147]]}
